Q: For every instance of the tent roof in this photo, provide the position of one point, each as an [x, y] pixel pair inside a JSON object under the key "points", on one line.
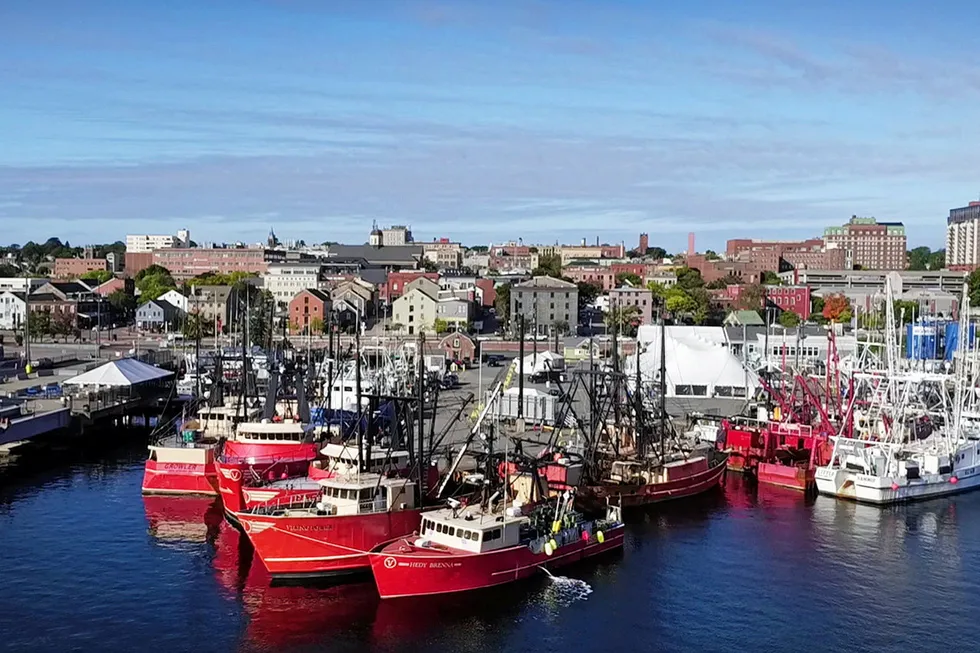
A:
{"points": [[694, 357], [124, 372]]}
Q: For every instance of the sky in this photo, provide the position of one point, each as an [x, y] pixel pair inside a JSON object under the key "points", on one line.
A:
{"points": [[485, 121]]}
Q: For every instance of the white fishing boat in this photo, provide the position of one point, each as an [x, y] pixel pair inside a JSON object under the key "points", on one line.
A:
{"points": [[912, 442]]}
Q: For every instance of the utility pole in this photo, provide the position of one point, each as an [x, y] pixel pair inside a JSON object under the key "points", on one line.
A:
{"points": [[27, 320]]}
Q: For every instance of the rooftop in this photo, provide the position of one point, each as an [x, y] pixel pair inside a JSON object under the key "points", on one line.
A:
{"points": [[547, 282]]}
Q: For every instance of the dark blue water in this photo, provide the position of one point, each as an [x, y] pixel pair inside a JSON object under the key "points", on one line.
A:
{"points": [[87, 565]]}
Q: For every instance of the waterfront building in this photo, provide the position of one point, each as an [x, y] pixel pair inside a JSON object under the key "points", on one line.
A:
{"points": [[285, 280], [308, 310], [157, 314], [415, 311], [186, 262], [12, 309]]}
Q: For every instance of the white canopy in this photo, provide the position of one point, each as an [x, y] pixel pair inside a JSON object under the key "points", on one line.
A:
{"points": [[546, 361], [699, 363], [124, 372]]}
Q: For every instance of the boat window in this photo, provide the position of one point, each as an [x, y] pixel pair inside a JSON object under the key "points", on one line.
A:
{"points": [[452, 531]]}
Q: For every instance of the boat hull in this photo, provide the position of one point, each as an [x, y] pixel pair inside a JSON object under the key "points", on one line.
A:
{"points": [[635, 496], [883, 490], [789, 476], [323, 546], [180, 470], [428, 573], [265, 495]]}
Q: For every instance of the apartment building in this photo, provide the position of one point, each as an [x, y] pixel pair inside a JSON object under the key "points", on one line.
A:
{"points": [[870, 244], [285, 280], [963, 237], [185, 263], [545, 301]]}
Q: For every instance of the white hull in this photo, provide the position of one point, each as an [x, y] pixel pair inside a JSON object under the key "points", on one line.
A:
{"points": [[885, 490]]}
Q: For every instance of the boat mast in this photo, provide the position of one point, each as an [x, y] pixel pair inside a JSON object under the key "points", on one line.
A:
{"points": [[357, 390], [663, 386], [420, 414], [962, 347]]}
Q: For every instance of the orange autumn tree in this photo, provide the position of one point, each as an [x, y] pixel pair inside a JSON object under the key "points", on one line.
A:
{"points": [[837, 308]]}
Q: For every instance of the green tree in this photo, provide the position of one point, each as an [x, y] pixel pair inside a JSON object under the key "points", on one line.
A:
{"points": [[905, 309], [440, 326], [789, 319], [39, 325], [153, 282], [711, 255], [658, 289], [429, 266], [316, 326], [587, 293], [678, 301], [631, 278], [656, 252], [688, 278], [770, 278], [724, 282], [100, 276], [816, 304], [122, 303], [548, 265], [502, 303], [560, 327]]}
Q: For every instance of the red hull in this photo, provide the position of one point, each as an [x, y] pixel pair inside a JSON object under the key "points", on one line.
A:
{"points": [[323, 546], [180, 478], [789, 476], [632, 496], [264, 495], [267, 462], [402, 570]]}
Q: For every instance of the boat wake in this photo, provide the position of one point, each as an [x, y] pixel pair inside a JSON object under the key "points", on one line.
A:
{"points": [[565, 591]]}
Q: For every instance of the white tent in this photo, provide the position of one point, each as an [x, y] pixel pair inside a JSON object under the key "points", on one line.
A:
{"points": [[122, 373], [543, 362], [699, 363]]}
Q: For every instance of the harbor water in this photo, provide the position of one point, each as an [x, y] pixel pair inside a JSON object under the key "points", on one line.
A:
{"points": [[88, 564]]}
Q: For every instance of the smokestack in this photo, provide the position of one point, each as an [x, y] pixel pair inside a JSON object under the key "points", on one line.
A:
{"points": [[690, 244]]}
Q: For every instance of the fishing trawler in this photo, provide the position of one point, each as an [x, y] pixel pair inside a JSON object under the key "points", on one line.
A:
{"points": [[332, 536], [184, 463], [464, 548]]}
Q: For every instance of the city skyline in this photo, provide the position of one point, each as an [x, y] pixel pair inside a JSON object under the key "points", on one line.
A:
{"points": [[540, 120]]}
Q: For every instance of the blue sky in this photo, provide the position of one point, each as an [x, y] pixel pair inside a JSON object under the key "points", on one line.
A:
{"points": [[484, 121]]}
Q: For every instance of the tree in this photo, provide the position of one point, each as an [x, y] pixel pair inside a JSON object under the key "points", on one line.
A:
{"points": [[625, 319], [196, 327], [502, 303], [100, 276], [40, 324], [220, 279], [922, 258], [440, 326], [429, 266], [631, 278], [816, 305], [62, 324], [548, 265], [711, 255], [905, 309], [837, 308], [688, 278], [789, 319], [658, 289], [656, 252], [678, 301], [770, 278], [153, 282], [122, 302], [316, 326], [724, 282], [560, 327], [751, 298], [587, 293]]}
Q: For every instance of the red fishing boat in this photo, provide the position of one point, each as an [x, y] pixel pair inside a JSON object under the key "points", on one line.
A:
{"points": [[184, 463], [333, 536], [337, 460], [777, 453], [635, 483], [469, 548], [262, 451]]}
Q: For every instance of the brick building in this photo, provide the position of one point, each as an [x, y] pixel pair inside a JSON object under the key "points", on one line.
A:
{"points": [[72, 268], [644, 244], [444, 253], [307, 306], [871, 244], [786, 298], [394, 287], [597, 275], [775, 255], [185, 263]]}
